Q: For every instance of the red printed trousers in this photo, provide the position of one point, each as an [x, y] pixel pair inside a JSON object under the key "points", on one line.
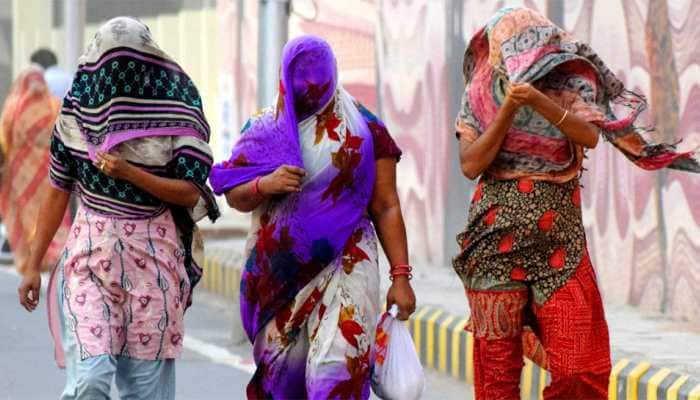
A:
{"points": [[571, 340]]}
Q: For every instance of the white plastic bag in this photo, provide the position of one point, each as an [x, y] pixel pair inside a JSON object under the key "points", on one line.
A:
{"points": [[397, 373]]}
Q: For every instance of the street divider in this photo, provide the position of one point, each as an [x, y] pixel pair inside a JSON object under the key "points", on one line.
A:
{"points": [[442, 344]]}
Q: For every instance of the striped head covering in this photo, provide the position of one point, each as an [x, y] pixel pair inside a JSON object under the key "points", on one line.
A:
{"points": [[128, 96], [126, 87]]}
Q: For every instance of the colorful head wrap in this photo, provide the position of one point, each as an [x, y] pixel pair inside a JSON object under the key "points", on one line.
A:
{"points": [[520, 45]]}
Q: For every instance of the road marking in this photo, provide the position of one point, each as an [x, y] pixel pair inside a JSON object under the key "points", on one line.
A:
{"points": [[9, 270], [214, 353], [218, 355], [45, 276]]}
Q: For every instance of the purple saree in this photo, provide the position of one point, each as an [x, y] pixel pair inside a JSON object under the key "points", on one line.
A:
{"points": [[309, 252]]}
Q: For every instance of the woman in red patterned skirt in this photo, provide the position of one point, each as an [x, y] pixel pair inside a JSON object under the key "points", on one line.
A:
{"points": [[535, 98]]}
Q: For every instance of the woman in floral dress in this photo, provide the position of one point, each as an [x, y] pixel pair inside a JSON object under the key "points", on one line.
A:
{"points": [[318, 172]]}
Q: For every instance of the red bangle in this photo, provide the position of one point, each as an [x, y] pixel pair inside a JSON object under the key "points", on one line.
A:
{"points": [[256, 187], [401, 270], [403, 273]]}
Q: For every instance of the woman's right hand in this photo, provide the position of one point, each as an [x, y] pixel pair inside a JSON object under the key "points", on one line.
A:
{"points": [[285, 179], [524, 94], [30, 289], [511, 102]]}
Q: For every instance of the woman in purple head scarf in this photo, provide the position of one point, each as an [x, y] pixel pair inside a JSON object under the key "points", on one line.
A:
{"points": [[319, 173]]}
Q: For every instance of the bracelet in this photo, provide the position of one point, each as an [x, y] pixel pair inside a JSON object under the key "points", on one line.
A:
{"points": [[403, 273], [256, 187], [563, 117], [401, 270], [405, 267]]}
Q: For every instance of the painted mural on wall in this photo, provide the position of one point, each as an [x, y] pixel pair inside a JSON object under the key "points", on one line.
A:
{"points": [[404, 59], [644, 228], [413, 85]]}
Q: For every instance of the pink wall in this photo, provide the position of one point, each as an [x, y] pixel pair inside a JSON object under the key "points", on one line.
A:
{"points": [[414, 105], [635, 219]]}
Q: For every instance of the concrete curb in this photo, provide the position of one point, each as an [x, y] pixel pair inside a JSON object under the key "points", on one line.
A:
{"points": [[442, 344], [222, 277], [222, 273], [641, 380]]}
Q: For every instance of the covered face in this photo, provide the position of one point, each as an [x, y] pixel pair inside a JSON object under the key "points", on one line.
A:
{"points": [[309, 70]]}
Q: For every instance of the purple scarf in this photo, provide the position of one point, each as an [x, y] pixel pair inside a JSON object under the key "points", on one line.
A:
{"points": [[300, 234]]}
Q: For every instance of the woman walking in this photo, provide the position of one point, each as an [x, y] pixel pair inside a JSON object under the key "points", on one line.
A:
{"points": [[28, 117], [535, 98], [318, 172], [131, 142]]}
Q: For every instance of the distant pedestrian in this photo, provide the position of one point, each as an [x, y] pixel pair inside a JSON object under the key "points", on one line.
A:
{"points": [[319, 173], [28, 116], [131, 142], [58, 80], [535, 98]]}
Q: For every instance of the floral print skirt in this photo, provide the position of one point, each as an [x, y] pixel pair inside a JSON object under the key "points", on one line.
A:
{"points": [[124, 287], [318, 347], [522, 233]]}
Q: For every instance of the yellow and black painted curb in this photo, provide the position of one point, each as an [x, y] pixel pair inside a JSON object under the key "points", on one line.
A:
{"points": [[641, 380], [222, 273], [443, 344]]}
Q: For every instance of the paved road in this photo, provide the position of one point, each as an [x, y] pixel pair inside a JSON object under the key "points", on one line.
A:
{"points": [[212, 367], [27, 370]]}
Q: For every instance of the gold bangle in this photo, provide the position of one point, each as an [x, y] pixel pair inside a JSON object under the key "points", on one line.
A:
{"points": [[563, 117]]}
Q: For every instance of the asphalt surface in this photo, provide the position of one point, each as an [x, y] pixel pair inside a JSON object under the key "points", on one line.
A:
{"points": [[28, 371]]}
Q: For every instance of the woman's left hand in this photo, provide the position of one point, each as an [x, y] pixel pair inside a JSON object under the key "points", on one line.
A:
{"points": [[113, 166], [401, 294]]}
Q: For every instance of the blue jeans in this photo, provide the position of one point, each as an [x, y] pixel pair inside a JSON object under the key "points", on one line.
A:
{"points": [[136, 379], [91, 378]]}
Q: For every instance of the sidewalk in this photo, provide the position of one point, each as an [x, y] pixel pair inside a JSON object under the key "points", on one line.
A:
{"points": [[651, 353], [634, 334]]}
